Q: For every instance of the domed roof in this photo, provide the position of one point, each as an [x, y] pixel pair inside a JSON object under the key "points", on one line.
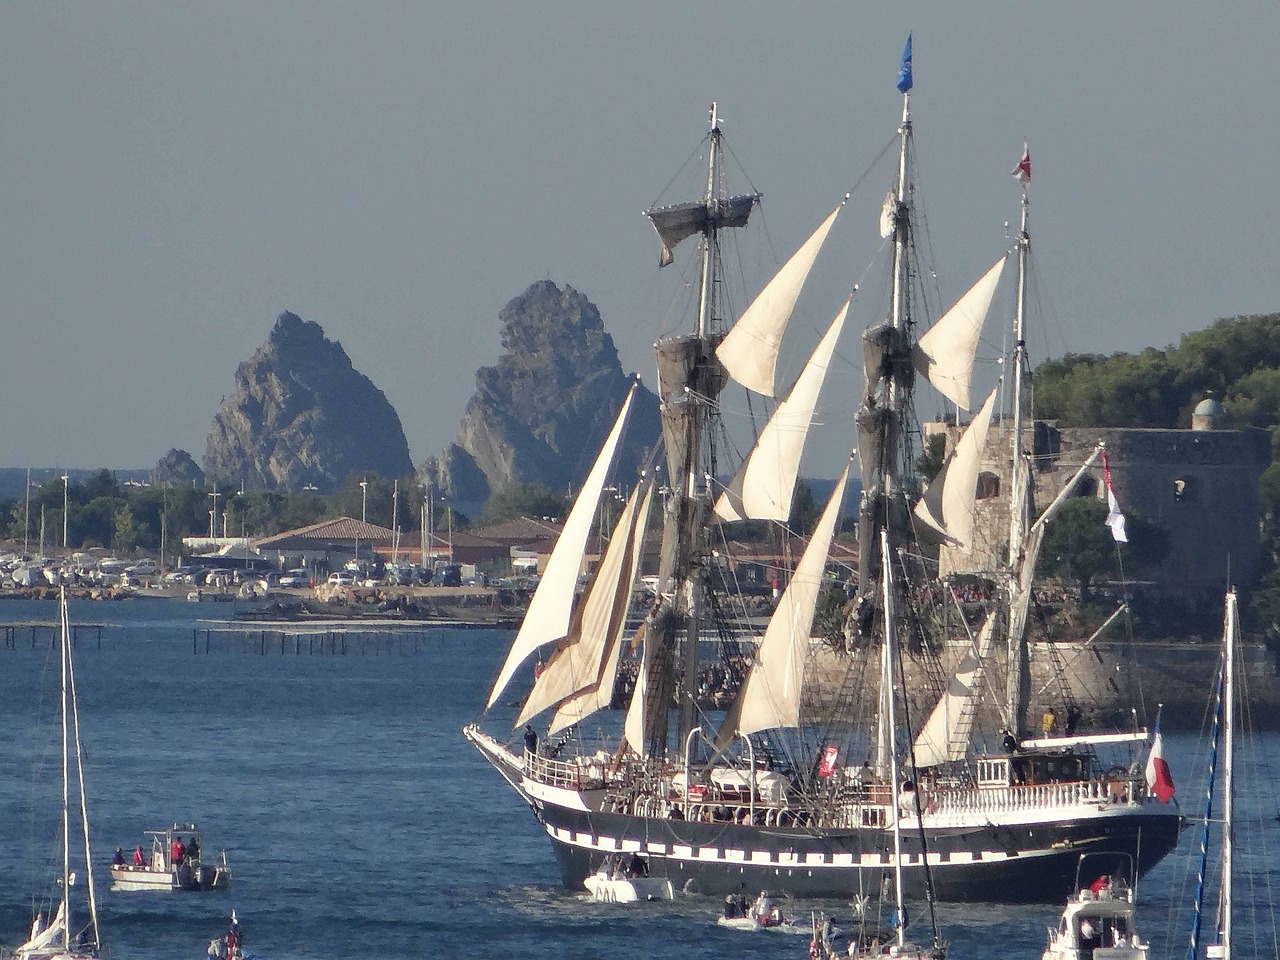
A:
{"points": [[1209, 407]]}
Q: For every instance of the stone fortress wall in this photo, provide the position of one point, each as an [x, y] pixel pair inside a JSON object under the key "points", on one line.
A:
{"points": [[1199, 485]]}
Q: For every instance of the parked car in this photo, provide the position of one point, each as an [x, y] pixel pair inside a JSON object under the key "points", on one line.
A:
{"points": [[143, 568], [295, 578], [183, 575], [342, 578]]}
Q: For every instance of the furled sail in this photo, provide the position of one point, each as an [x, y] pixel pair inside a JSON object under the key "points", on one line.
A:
{"points": [[682, 220], [945, 353], [548, 615], [888, 215], [770, 696], [949, 501], [750, 350], [945, 735], [599, 693], [764, 484]]}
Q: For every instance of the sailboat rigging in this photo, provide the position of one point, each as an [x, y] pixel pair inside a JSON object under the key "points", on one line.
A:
{"points": [[59, 939], [777, 798]]}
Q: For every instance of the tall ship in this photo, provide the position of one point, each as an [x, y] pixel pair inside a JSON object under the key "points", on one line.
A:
{"points": [[805, 781]]}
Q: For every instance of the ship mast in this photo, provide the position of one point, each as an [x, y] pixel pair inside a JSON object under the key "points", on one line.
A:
{"points": [[1018, 682], [884, 407], [694, 489], [690, 379]]}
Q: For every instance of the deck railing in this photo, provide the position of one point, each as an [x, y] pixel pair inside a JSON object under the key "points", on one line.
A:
{"points": [[1039, 796]]}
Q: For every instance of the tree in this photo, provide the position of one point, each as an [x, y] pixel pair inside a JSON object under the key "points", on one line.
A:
{"points": [[804, 511], [932, 456], [125, 535], [1078, 544], [523, 500]]}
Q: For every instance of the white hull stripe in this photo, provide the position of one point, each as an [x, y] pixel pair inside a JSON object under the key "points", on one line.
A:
{"points": [[730, 855]]}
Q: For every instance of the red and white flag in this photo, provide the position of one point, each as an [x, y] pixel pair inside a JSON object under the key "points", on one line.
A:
{"points": [[1023, 170], [1115, 519], [830, 754], [1159, 780]]}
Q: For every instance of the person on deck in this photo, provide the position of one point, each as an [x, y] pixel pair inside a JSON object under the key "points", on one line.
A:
{"points": [[530, 740], [1049, 722], [118, 859], [1074, 716], [138, 859], [177, 851], [193, 851]]}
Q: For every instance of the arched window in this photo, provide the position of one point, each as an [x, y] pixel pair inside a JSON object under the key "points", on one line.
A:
{"points": [[988, 486], [1086, 486]]}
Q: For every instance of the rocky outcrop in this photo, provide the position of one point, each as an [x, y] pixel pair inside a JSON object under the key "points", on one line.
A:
{"points": [[540, 414], [302, 415], [177, 468]]}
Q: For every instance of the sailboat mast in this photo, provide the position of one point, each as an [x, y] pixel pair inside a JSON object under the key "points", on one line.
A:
{"points": [[1020, 495], [84, 802], [1228, 777], [66, 777]]}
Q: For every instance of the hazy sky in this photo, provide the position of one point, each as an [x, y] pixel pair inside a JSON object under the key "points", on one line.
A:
{"points": [[174, 175]]}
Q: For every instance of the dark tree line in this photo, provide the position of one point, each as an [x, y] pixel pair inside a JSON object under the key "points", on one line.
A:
{"points": [[1236, 359]]}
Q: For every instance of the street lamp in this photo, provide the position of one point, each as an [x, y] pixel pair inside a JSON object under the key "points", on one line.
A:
{"points": [[364, 500], [213, 515], [66, 487], [425, 527]]}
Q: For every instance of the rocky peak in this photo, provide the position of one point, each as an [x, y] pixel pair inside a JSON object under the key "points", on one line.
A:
{"points": [[301, 415], [540, 413], [177, 468]]}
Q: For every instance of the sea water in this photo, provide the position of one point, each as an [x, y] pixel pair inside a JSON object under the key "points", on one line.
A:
{"points": [[358, 822]]}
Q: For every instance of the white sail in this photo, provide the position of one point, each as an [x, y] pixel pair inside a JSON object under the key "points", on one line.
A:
{"points": [[44, 940], [575, 665], [599, 693], [770, 696], [945, 353], [945, 735], [764, 484], [750, 350], [548, 615], [948, 503], [633, 726]]}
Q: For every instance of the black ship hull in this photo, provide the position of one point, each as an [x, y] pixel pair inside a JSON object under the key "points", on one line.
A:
{"points": [[1033, 863]]}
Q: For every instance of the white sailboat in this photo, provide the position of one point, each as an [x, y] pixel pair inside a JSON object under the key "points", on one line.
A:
{"points": [[1229, 712], [775, 798], [63, 938]]}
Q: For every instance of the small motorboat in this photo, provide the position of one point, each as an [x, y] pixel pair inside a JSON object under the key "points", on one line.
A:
{"points": [[1098, 921], [764, 914], [613, 884], [170, 860]]}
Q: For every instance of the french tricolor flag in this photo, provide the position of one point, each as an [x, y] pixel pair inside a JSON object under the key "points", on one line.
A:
{"points": [[1159, 780]]}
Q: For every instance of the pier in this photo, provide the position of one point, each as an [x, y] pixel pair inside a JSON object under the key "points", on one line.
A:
{"points": [[38, 628], [319, 638]]}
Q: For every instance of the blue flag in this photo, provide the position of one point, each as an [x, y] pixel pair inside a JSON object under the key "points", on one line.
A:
{"points": [[904, 72]]}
